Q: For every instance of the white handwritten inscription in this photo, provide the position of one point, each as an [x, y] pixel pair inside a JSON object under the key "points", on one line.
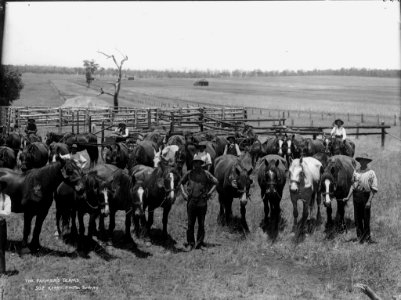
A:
{"points": [[58, 284]]}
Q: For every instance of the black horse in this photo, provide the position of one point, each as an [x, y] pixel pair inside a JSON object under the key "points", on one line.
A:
{"points": [[271, 179], [34, 155], [7, 158], [85, 141], [32, 193], [116, 154]]}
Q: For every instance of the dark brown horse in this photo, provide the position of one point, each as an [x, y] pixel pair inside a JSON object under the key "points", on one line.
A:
{"points": [[84, 141], [57, 149], [314, 146], [13, 140], [32, 193], [7, 158], [335, 184], [34, 155], [234, 182], [116, 154], [336, 146], [271, 179], [161, 189], [143, 154]]}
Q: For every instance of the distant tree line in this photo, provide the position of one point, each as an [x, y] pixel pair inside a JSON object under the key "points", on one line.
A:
{"points": [[100, 72]]}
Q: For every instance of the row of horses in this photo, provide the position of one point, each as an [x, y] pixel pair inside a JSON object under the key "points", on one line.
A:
{"points": [[147, 176]]}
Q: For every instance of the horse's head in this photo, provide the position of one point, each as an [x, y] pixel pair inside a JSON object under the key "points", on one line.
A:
{"points": [[328, 184], [297, 175], [336, 146], [96, 193], [27, 157], [168, 181], [271, 177], [327, 143], [137, 194], [240, 182]]}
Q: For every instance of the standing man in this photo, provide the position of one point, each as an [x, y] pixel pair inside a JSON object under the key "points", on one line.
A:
{"points": [[363, 189], [197, 186], [31, 127], [201, 151], [232, 147]]}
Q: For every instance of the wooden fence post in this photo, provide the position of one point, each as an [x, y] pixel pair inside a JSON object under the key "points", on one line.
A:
{"points": [[357, 131], [348, 116], [292, 122], [311, 122], [72, 122], [378, 119], [172, 123], [201, 119], [362, 118], [395, 120], [3, 245], [383, 134], [77, 121], [60, 115], [102, 136], [269, 113], [288, 113], [149, 118], [90, 124]]}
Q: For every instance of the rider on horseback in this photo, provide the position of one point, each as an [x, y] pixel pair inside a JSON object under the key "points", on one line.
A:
{"points": [[338, 132], [31, 127], [232, 147], [122, 132]]}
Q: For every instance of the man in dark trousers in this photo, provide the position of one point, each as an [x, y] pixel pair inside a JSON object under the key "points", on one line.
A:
{"points": [[363, 189], [197, 186]]}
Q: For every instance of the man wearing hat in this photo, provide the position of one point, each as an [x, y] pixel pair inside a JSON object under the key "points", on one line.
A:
{"points": [[197, 186], [338, 132], [31, 127], [232, 147], [363, 189], [122, 133], [201, 148]]}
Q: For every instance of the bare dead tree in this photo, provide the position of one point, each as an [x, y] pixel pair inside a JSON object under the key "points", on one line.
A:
{"points": [[117, 84]]}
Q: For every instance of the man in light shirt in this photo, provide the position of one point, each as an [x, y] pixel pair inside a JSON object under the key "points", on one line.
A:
{"points": [[363, 189], [232, 147], [338, 132], [5, 201], [205, 156], [80, 160], [122, 133]]}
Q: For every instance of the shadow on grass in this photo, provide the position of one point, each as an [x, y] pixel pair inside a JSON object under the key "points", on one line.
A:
{"points": [[268, 228], [88, 245], [121, 242], [336, 229], [168, 243], [305, 228], [16, 247], [235, 225]]}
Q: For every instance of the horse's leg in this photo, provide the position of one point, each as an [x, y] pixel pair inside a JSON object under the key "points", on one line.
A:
{"points": [[294, 212], [81, 224], [266, 207], [27, 230], [112, 223], [275, 207], [329, 211], [166, 211], [228, 209], [74, 230], [92, 225], [220, 217], [128, 216], [243, 217], [305, 213], [35, 245], [341, 213]]}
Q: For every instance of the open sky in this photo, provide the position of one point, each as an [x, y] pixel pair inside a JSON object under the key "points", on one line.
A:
{"points": [[206, 35]]}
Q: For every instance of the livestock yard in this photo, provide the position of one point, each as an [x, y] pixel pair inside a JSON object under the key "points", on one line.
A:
{"points": [[234, 265]]}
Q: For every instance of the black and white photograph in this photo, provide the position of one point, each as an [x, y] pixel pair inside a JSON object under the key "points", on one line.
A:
{"points": [[200, 150]]}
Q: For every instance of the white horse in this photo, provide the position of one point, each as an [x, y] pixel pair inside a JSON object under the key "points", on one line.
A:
{"points": [[167, 154], [304, 184]]}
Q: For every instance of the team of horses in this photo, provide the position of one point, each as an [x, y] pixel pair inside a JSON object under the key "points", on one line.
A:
{"points": [[145, 177]]}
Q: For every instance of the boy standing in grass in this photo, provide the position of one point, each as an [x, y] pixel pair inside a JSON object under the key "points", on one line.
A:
{"points": [[363, 190]]}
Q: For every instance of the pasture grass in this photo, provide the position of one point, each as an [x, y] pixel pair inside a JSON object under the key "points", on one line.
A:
{"points": [[234, 265]]}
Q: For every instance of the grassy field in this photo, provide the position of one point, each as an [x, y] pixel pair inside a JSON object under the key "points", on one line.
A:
{"points": [[233, 266]]}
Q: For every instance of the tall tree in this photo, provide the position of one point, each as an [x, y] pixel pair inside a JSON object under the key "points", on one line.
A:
{"points": [[117, 84], [90, 69], [10, 85]]}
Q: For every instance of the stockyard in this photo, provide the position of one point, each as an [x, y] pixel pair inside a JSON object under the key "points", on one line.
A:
{"points": [[234, 265]]}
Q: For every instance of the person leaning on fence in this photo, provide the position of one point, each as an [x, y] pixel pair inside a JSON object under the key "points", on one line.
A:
{"points": [[201, 151], [232, 147], [122, 132], [31, 127], [363, 189], [339, 132], [197, 186]]}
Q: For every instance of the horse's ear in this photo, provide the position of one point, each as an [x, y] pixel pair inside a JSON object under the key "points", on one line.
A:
{"points": [[266, 163], [277, 163], [332, 170], [250, 171], [238, 170], [293, 137], [301, 160], [321, 170]]}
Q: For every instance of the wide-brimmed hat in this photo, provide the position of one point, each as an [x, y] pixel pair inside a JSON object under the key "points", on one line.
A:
{"points": [[121, 124], [198, 158], [74, 146], [339, 122], [31, 120], [231, 137], [202, 144], [363, 157]]}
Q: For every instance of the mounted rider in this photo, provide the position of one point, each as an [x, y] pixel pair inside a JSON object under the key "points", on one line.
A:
{"points": [[232, 147], [338, 132], [31, 127], [197, 186], [122, 132]]}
